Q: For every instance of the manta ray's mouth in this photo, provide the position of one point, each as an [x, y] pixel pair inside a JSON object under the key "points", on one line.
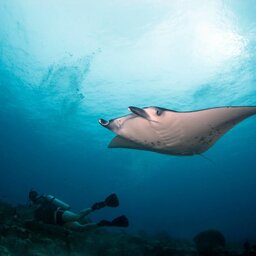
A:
{"points": [[103, 122], [139, 112]]}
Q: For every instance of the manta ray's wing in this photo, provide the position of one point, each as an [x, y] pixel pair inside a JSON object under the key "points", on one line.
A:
{"points": [[120, 142], [204, 127], [175, 133]]}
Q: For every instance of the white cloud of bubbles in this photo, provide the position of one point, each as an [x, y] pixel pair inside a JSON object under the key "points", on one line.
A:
{"points": [[148, 52]]}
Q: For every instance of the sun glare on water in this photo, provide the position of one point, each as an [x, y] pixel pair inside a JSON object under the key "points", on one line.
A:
{"points": [[218, 44]]}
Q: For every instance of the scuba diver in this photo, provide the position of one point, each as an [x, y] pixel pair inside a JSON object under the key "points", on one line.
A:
{"points": [[51, 210]]}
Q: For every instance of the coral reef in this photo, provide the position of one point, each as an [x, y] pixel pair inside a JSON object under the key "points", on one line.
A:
{"points": [[21, 235]]}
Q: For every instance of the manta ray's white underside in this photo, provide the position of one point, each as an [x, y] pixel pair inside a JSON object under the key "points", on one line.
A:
{"points": [[175, 133]]}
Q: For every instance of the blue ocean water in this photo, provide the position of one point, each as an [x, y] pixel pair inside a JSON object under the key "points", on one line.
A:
{"points": [[64, 65]]}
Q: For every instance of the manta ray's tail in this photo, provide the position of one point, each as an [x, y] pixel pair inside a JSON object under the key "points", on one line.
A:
{"points": [[207, 158]]}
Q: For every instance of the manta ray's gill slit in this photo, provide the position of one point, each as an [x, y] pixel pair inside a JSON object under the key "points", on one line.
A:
{"points": [[172, 134]]}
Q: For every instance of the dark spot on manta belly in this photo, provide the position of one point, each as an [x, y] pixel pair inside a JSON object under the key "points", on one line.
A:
{"points": [[201, 139]]}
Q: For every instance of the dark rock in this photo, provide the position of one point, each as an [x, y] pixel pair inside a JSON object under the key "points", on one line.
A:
{"points": [[210, 243], [21, 235]]}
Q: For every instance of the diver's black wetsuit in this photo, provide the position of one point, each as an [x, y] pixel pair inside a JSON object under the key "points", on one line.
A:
{"points": [[49, 213]]}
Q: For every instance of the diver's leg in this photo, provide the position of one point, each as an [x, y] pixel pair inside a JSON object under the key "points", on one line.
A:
{"points": [[79, 227], [69, 216], [111, 201], [84, 213], [120, 221]]}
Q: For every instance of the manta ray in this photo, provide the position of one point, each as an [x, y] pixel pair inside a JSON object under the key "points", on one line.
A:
{"points": [[174, 133]]}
